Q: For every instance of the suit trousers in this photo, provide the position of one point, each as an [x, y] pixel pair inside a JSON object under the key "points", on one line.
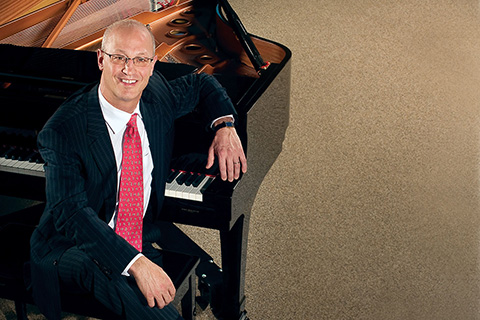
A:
{"points": [[78, 273]]}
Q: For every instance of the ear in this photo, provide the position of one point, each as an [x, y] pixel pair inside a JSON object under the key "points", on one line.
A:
{"points": [[153, 64], [100, 58]]}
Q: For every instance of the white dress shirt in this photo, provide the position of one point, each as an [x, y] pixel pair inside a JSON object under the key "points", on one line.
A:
{"points": [[116, 121]]}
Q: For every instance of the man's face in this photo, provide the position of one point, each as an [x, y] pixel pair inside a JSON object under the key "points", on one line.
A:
{"points": [[122, 84]]}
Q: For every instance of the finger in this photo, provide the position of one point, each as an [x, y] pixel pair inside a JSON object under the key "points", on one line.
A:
{"points": [[222, 166], [237, 169], [211, 158], [151, 301], [231, 169], [168, 299], [243, 161], [161, 302], [172, 291]]}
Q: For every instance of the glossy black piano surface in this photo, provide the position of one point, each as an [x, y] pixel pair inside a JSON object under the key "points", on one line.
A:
{"points": [[35, 81]]}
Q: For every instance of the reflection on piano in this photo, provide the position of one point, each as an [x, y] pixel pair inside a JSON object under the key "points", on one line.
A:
{"points": [[48, 54]]}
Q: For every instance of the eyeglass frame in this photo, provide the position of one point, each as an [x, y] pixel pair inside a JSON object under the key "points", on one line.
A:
{"points": [[125, 59]]}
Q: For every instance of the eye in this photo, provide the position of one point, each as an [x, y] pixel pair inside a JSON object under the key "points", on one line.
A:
{"points": [[141, 59], [119, 58]]}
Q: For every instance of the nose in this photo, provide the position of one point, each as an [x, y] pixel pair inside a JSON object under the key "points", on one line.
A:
{"points": [[128, 65]]}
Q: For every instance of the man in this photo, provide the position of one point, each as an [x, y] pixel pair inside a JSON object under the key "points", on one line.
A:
{"points": [[82, 242]]}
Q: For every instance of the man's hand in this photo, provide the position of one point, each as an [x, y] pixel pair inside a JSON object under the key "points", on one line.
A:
{"points": [[231, 158], [153, 282]]}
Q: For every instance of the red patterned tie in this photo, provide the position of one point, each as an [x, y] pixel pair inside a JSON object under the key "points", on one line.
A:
{"points": [[130, 200]]}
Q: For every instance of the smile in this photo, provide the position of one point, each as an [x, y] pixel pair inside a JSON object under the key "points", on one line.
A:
{"points": [[129, 81]]}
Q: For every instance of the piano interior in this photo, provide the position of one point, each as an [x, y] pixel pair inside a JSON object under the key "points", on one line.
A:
{"points": [[48, 51]]}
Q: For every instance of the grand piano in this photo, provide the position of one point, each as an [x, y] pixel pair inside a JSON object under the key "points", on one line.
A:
{"points": [[47, 52]]}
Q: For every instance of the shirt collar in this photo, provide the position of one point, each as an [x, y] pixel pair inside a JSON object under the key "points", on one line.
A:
{"points": [[115, 118]]}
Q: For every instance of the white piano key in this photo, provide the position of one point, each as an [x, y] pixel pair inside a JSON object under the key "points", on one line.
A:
{"points": [[24, 164], [175, 190], [30, 165], [22, 167], [198, 194], [179, 192], [172, 187], [38, 167], [8, 162]]}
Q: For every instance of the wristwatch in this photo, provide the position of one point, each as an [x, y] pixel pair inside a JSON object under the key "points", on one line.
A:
{"points": [[223, 125]]}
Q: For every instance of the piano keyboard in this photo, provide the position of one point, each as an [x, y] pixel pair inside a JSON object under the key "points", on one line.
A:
{"points": [[188, 185], [22, 167], [184, 184], [21, 160], [188, 178]]}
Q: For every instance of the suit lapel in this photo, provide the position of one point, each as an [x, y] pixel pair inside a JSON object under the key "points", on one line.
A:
{"points": [[102, 150]]}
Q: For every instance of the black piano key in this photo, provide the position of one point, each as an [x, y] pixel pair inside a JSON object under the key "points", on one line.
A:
{"points": [[20, 154], [171, 176], [31, 155], [213, 171], [206, 185], [8, 154], [3, 149], [36, 158], [198, 179], [190, 179], [181, 178]]}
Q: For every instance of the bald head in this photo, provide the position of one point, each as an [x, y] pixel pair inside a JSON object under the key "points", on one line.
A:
{"points": [[127, 25]]}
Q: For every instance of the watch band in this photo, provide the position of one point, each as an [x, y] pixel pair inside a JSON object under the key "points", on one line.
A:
{"points": [[223, 125]]}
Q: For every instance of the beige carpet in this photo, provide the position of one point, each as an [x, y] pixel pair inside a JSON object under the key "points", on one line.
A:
{"points": [[372, 209]]}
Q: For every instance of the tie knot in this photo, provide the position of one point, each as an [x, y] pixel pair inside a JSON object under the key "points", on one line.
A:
{"points": [[132, 125], [133, 121]]}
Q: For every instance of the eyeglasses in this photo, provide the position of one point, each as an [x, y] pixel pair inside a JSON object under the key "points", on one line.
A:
{"points": [[120, 59]]}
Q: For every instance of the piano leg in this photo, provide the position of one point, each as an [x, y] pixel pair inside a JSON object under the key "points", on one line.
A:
{"points": [[234, 258]]}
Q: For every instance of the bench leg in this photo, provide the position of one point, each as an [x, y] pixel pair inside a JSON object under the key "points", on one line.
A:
{"points": [[188, 300], [21, 310]]}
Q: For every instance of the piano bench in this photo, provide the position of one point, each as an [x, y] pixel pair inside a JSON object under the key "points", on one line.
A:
{"points": [[180, 267]]}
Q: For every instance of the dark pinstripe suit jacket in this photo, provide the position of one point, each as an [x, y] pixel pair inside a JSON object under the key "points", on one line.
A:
{"points": [[81, 175]]}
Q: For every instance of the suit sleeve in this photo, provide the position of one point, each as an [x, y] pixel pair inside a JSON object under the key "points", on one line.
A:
{"points": [[196, 90]]}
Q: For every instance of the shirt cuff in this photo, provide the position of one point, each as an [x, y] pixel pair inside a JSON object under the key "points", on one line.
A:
{"points": [[228, 115], [125, 272]]}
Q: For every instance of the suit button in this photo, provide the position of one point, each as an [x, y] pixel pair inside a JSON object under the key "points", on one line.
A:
{"points": [[55, 262]]}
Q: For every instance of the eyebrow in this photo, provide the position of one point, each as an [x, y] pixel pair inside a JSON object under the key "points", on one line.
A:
{"points": [[121, 52]]}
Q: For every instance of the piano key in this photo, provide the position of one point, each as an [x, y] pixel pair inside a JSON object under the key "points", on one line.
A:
{"points": [[172, 187], [22, 167], [4, 162], [25, 164], [20, 154], [190, 179], [180, 192], [181, 178], [9, 150], [200, 190], [191, 192], [172, 175], [198, 180]]}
